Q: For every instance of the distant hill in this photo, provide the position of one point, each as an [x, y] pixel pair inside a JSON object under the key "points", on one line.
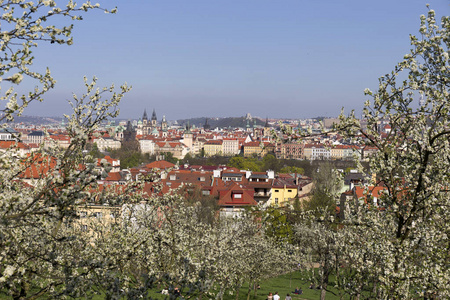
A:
{"points": [[35, 120], [222, 122]]}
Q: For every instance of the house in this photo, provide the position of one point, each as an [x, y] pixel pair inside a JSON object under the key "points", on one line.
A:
{"points": [[316, 152], [213, 147], [21, 148], [36, 137], [104, 143], [8, 134], [253, 148], [178, 149], [230, 146], [234, 199], [359, 195]]}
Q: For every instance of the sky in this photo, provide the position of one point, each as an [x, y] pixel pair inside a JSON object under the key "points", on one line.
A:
{"points": [[203, 58]]}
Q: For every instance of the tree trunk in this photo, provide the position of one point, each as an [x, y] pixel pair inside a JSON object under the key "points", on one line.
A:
{"points": [[220, 295], [324, 281], [237, 292], [323, 292], [249, 290]]}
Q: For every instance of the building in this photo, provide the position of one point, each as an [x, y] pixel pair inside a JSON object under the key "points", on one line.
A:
{"points": [[213, 147]]}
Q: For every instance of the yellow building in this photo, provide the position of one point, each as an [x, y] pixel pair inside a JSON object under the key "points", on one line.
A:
{"points": [[252, 148], [282, 195], [287, 187], [213, 147]]}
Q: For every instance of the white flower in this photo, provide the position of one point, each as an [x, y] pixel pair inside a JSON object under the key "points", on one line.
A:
{"points": [[16, 78], [9, 270]]}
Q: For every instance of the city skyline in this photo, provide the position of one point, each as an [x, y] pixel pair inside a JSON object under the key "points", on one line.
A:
{"points": [[289, 59]]}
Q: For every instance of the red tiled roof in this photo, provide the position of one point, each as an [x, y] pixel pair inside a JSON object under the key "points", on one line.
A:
{"points": [[160, 164], [12, 144], [228, 197]]}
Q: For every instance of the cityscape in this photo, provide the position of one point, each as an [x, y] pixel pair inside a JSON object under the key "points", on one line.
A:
{"points": [[208, 177]]}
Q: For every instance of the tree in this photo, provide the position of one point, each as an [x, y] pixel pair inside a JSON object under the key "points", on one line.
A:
{"points": [[405, 235], [327, 185], [39, 234], [245, 163], [292, 169], [45, 250], [270, 162], [318, 242], [42, 248]]}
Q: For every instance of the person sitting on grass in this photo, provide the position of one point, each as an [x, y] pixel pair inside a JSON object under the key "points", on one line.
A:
{"points": [[288, 297]]}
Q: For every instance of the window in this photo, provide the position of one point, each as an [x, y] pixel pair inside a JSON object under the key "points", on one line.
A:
{"points": [[276, 191], [289, 191], [172, 177], [237, 196], [97, 214], [201, 179], [276, 200], [205, 193]]}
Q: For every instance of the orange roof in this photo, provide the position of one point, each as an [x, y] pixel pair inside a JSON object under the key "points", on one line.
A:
{"points": [[236, 195], [375, 192], [113, 176], [160, 164], [12, 144]]}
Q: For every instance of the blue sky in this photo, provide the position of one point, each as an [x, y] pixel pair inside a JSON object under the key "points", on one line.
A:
{"points": [[280, 59]]}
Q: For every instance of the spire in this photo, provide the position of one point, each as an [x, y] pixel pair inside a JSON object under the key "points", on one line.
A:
{"points": [[206, 126], [267, 123], [188, 128], [144, 117], [154, 115]]}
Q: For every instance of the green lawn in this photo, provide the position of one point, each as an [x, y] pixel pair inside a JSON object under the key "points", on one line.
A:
{"points": [[282, 284]]}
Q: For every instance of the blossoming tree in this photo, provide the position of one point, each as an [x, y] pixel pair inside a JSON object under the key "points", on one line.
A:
{"points": [[401, 242]]}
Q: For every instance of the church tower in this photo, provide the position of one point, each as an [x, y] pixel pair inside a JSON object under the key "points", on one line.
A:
{"points": [[154, 120], [144, 118], [188, 137], [164, 124], [267, 129]]}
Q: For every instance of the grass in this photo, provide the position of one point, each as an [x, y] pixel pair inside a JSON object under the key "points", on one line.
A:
{"points": [[282, 284]]}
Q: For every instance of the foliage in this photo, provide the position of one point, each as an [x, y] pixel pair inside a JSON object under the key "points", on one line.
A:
{"points": [[277, 225], [401, 244], [292, 169], [94, 152], [270, 162], [327, 185], [319, 243], [245, 163], [129, 158], [39, 237], [168, 156]]}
